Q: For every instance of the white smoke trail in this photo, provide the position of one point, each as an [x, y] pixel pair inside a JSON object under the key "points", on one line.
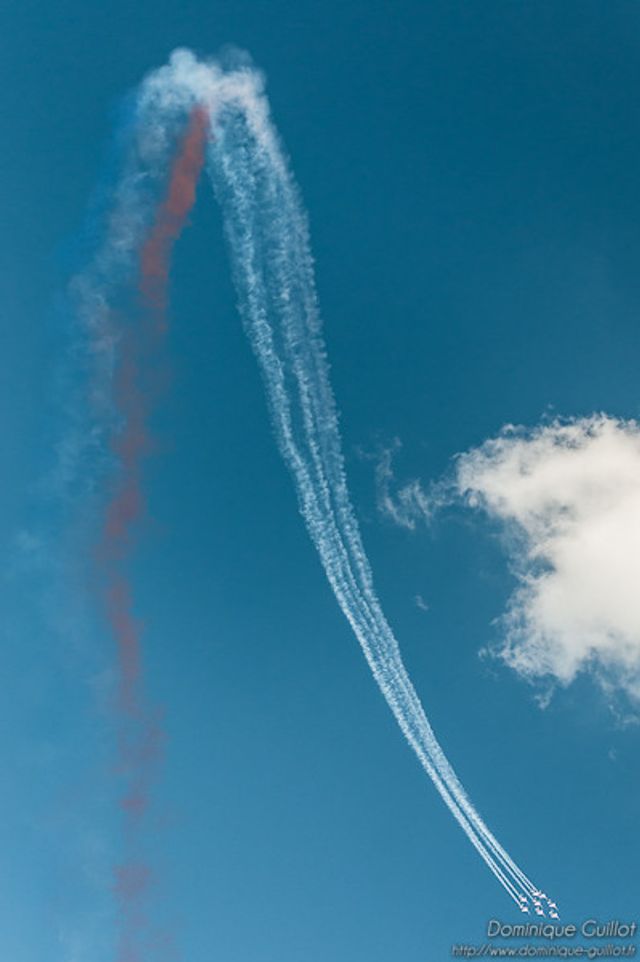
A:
{"points": [[272, 265]]}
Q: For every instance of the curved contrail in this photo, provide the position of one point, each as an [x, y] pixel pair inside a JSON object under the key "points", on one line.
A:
{"points": [[268, 239]]}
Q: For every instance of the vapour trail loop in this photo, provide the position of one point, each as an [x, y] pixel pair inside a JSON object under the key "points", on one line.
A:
{"points": [[268, 240]]}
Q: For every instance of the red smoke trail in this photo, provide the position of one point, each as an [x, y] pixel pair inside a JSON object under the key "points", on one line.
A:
{"points": [[156, 253], [141, 733]]}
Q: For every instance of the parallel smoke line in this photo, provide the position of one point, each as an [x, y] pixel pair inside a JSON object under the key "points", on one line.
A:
{"points": [[268, 238]]}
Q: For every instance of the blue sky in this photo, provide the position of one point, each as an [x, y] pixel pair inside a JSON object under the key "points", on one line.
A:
{"points": [[470, 177]]}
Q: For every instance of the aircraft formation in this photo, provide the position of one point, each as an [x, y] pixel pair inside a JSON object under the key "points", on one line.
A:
{"points": [[537, 900]]}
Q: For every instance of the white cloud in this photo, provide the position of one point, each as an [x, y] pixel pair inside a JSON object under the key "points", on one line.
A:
{"points": [[410, 503], [567, 495]]}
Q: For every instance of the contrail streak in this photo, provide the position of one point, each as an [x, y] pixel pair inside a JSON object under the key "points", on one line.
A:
{"points": [[268, 238], [272, 265]]}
